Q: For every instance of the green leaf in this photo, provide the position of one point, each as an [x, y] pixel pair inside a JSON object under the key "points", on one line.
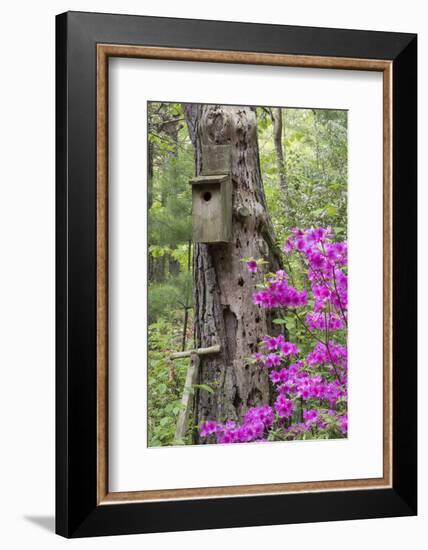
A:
{"points": [[318, 211], [204, 387], [331, 210], [290, 324]]}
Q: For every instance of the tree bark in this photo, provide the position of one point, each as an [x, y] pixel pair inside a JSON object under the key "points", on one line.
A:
{"points": [[222, 286], [277, 138]]}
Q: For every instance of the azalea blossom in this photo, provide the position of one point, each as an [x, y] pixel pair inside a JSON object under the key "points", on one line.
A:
{"points": [[284, 407], [310, 390], [252, 266], [208, 428]]}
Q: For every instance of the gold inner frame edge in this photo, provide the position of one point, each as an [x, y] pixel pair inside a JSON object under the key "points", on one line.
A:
{"points": [[104, 52]]}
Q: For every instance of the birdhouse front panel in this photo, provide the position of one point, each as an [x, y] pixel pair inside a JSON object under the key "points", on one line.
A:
{"points": [[212, 208]]}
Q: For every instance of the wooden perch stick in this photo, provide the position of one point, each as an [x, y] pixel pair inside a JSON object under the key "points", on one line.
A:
{"points": [[186, 400], [199, 351], [191, 377]]}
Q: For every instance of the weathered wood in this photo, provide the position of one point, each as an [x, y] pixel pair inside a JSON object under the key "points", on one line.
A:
{"points": [[223, 288], [206, 180], [212, 210], [212, 197], [186, 400], [216, 159], [199, 351]]}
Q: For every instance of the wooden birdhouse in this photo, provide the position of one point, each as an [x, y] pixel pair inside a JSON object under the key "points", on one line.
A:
{"points": [[212, 197]]}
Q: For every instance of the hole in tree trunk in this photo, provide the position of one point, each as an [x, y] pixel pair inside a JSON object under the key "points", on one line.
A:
{"points": [[231, 328]]}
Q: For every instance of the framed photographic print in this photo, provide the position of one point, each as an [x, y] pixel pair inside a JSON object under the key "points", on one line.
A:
{"points": [[236, 274]]}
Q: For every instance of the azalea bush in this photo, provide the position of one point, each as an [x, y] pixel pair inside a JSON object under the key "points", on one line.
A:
{"points": [[309, 375]]}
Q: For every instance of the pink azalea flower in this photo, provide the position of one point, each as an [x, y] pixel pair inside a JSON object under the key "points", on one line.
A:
{"points": [[207, 428], [252, 266], [284, 407], [324, 384], [272, 360], [310, 417]]}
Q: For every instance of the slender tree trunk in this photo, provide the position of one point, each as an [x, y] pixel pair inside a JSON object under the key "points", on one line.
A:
{"points": [[277, 138], [150, 175], [186, 306], [223, 288]]}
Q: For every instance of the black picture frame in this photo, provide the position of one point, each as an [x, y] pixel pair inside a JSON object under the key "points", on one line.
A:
{"points": [[77, 511]]}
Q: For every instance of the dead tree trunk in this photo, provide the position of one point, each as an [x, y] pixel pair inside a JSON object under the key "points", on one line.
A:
{"points": [[223, 288]]}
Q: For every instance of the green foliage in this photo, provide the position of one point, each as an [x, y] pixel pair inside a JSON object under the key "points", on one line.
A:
{"points": [[170, 205], [170, 214], [314, 143], [165, 382], [171, 165], [169, 297]]}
